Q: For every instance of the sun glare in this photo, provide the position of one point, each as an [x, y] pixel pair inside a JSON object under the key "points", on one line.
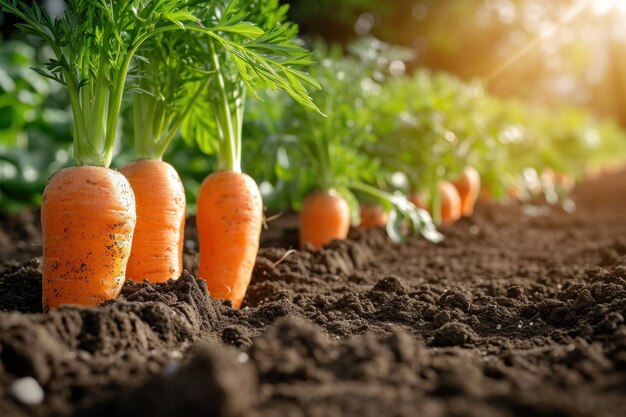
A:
{"points": [[609, 6]]}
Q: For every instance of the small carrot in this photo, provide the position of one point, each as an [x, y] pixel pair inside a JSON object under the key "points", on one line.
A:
{"points": [[157, 250], [372, 216], [230, 216], [468, 187], [450, 203], [88, 217], [324, 217]]}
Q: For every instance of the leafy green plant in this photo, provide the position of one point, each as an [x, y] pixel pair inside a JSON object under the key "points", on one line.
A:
{"points": [[162, 96], [94, 44], [245, 58], [327, 153]]}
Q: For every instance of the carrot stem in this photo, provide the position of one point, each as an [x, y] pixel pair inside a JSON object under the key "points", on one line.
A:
{"points": [[229, 159]]}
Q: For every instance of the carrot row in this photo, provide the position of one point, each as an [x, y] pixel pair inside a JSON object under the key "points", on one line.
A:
{"points": [[325, 216], [148, 244]]}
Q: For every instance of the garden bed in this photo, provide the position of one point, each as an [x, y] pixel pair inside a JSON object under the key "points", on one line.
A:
{"points": [[519, 312]]}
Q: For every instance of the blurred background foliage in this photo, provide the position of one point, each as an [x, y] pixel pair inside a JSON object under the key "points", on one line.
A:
{"points": [[499, 84], [35, 126], [557, 51]]}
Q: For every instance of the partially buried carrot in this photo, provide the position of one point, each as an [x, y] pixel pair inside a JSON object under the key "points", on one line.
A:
{"points": [[230, 216], [230, 207], [157, 250], [468, 187], [324, 217], [372, 215], [88, 217], [450, 203]]}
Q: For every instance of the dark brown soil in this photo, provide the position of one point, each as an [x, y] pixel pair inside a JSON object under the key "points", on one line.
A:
{"points": [[512, 315]]}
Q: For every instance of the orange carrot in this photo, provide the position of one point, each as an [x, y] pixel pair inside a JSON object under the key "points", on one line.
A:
{"points": [[468, 187], [325, 216], [88, 218], [372, 216], [450, 203], [157, 251], [230, 216]]}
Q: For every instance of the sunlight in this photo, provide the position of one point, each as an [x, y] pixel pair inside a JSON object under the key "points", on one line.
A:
{"points": [[602, 7]]}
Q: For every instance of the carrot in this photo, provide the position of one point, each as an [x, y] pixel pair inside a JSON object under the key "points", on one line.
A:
{"points": [[88, 217], [324, 217], [468, 187], [450, 203], [230, 216], [230, 207], [157, 250], [372, 216]]}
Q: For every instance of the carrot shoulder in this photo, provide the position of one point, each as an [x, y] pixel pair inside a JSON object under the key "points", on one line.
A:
{"points": [[88, 218], [229, 220], [157, 250], [324, 217]]}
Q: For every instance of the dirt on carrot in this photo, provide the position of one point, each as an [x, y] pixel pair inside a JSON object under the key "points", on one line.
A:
{"points": [[88, 217], [501, 319]]}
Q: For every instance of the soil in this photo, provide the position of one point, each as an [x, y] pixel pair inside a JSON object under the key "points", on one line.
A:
{"points": [[519, 312]]}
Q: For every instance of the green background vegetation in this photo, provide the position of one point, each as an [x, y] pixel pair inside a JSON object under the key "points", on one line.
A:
{"points": [[392, 110]]}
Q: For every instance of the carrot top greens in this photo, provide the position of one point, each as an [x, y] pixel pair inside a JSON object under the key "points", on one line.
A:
{"points": [[328, 153], [93, 44], [252, 46], [169, 79]]}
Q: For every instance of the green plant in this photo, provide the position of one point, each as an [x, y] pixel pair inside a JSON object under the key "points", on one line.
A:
{"points": [[247, 57], [327, 153]]}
